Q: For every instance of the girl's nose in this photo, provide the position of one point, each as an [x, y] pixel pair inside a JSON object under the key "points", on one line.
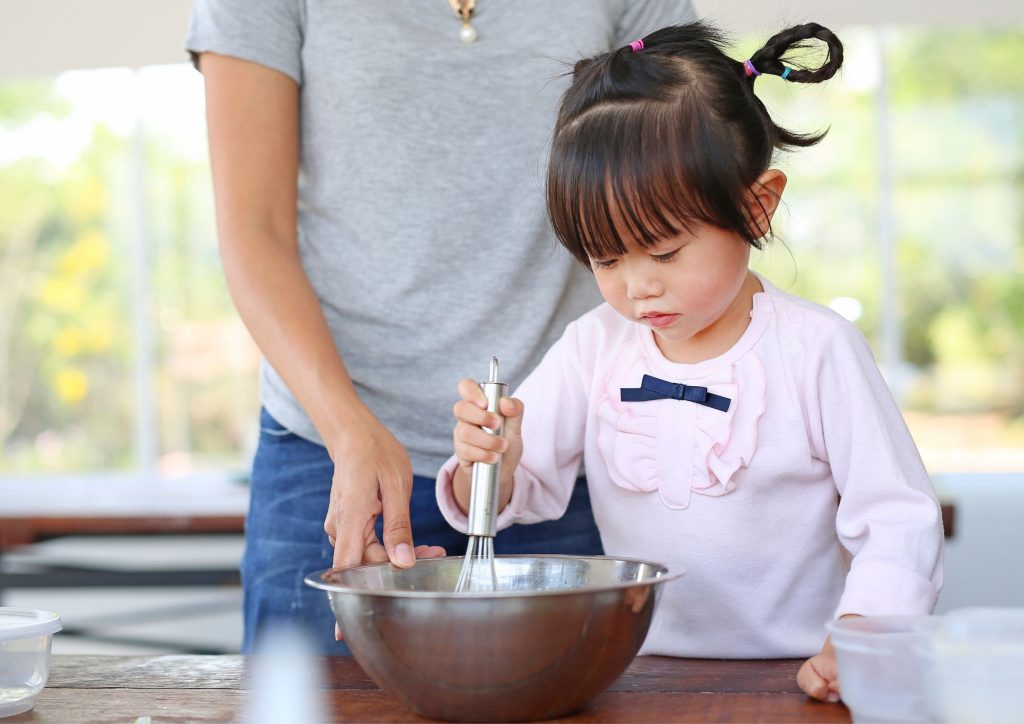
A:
{"points": [[642, 286]]}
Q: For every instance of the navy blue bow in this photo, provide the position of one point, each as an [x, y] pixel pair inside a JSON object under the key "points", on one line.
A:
{"points": [[651, 388]]}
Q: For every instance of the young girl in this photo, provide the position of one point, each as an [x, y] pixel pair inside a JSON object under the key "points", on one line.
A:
{"points": [[728, 429]]}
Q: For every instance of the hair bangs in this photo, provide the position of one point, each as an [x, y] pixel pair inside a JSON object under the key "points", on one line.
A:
{"points": [[624, 173]]}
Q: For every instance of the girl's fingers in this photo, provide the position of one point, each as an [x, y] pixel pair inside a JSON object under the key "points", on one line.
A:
{"points": [[470, 391], [467, 412], [427, 551], [472, 436], [812, 683], [467, 455], [511, 407], [513, 419]]}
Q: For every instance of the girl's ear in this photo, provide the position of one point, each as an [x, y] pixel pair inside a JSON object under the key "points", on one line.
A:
{"points": [[764, 197]]}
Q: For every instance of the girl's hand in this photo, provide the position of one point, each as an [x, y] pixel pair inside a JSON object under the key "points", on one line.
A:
{"points": [[818, 676], [372, 477], [473, 445]]}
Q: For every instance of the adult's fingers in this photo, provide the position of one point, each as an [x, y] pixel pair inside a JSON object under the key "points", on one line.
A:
{"points": [[351, 518], [395, 493]]}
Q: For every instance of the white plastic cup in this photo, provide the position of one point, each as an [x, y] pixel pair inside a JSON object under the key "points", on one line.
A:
{"points": [[880, 675], [974, 666], [25, 637]]}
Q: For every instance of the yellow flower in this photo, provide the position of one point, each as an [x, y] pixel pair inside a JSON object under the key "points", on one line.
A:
{"points": [[68, 342], [62, 295], [89, 252], [72, 385], [99, 338]]}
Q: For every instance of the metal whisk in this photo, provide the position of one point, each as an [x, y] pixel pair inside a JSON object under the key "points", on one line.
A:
{"points": [[477, 572]]}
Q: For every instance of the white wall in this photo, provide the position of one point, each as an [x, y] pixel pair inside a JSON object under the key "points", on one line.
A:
{"points": [[43, 37], [983, 565]]}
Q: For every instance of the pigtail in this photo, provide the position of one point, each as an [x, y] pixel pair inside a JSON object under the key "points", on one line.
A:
{"points": [[774, 59]]}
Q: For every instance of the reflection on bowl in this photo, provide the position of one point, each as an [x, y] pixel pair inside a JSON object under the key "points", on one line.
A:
{"points": [[557, 631]]}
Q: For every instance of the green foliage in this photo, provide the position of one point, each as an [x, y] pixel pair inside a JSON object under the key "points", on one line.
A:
{"points": [[930, 65], [21, 101]]}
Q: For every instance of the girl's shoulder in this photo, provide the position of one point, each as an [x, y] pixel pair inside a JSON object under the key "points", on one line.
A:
{"points": [[807, 326], [802, 316]]}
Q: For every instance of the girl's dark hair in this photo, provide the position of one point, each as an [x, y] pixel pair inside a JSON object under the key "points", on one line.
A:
{"points": [[649, 143]]}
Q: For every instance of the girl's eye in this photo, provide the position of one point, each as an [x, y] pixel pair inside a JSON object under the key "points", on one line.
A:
{"points": [[603, 263], [668, 256]]}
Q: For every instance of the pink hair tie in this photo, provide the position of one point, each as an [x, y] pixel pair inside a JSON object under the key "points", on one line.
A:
{"points": [[637, 45], [749, 69]]}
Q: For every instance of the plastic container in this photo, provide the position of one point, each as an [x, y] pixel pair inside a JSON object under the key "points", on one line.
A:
{"points": [[974, 666], [880, 677], [25, 636]]}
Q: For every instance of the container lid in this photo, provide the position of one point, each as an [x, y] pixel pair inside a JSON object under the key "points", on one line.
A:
{"points": [[979, 632], [23, 623]]}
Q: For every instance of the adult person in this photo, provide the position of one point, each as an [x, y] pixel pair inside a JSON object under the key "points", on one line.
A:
{"points": [[368, 159]]}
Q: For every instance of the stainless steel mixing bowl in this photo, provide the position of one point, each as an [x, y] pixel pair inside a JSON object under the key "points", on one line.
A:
{"points": [[557, 631]]}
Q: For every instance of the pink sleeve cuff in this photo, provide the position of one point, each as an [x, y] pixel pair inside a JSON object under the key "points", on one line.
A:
{"points": [[514, 512], [880, 588], [446, 497]]}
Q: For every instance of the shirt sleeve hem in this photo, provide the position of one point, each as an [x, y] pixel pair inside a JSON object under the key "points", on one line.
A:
{"points": [[513, 512], [446, 497], [880, 588], [282, 65]]}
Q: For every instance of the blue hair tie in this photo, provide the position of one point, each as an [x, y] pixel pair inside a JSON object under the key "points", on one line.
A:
{"points": [[786, 72]]}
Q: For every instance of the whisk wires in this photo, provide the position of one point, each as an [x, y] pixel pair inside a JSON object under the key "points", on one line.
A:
{"points": [[478, 572]]}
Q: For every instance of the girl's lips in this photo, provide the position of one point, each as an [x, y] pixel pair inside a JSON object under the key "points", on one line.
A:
{"points": [[659, 320]]}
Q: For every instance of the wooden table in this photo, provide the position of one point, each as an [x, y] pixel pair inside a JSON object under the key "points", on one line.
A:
{"points": [[33, 510], [212, 688]]}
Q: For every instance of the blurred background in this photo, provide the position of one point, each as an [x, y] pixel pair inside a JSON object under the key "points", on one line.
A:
{"points": [[128, 384]]}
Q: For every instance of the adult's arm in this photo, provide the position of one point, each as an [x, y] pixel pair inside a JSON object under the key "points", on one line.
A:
{"points": [[253, 125]]}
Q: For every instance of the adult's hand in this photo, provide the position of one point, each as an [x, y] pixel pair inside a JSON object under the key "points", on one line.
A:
{"points": [[372, 477]]}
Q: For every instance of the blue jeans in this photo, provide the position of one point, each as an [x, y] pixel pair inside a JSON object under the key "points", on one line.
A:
{"points": [[285, 538]]}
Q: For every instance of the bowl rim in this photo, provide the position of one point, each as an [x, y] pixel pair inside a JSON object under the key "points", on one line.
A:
{"points": [[665, 574]]}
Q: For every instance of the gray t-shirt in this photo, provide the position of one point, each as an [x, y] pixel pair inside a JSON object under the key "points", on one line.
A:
{"points": [[421, 215]]}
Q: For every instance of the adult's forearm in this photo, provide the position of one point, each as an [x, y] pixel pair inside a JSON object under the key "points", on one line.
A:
{"points": [[280, 308]]}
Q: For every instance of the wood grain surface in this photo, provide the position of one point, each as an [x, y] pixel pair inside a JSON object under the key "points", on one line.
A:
{"points": [[214, 689]]}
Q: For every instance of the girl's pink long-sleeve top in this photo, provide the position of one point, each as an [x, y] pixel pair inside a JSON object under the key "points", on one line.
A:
{"points": [[805, 501]]}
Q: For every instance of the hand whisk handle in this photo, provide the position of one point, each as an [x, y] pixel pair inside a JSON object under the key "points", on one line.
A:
{"points": [[483, 495]]}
